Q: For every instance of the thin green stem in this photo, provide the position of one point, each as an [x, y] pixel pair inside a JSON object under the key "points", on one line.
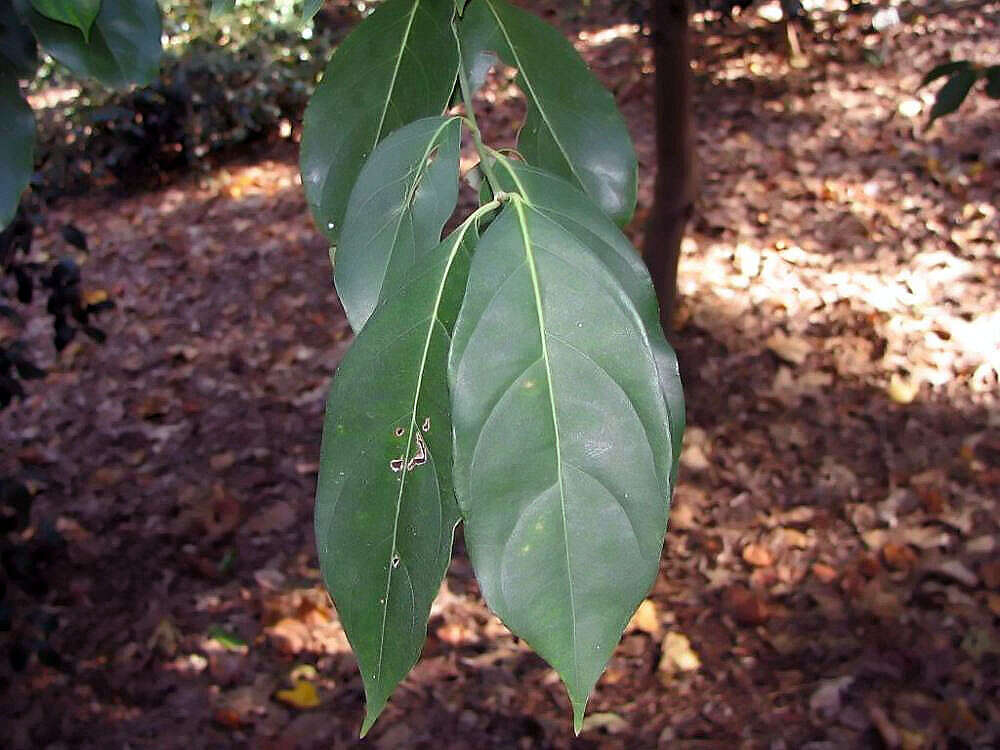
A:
{"points": [[470, 111]]}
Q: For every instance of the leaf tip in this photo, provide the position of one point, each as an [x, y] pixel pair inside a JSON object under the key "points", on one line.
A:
{"points": [[373, 709], [579, 709], [370, 718]]}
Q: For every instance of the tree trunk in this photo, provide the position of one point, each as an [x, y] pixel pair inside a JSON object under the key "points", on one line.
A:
{"points": [[673, 200]]}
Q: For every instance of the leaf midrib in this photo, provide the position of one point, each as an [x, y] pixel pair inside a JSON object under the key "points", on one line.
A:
{"points": [[453, 252], [537, 294], [531, 89], [395, 72], [421, 171]]}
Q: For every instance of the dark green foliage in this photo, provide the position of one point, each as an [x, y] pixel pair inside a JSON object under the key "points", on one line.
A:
{"points": [[79, 13], [546, 351], [396, 67], [962, 76], [122, 47]]}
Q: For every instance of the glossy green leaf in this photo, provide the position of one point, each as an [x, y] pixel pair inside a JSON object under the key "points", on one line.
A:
{"points": [[17, 44], [397, 66], [124, 43], [566, 205], [562, 447], [400, 202], [17, 144], [992, 76], [78, 13], [953, 93], [385, 506], [572, 127], [946, 69], [221, 8]]}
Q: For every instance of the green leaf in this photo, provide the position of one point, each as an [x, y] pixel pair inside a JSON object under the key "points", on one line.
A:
{"points": [[221, 8], [310, 8], [946, 69], [404, 195], [562, 450], [17, 44], [385, 507], [564, 204], [992, 76], [17, 145], [398, 65], [227, 640], [953, 93], [123, 47], [573, 127], [78, 13]]}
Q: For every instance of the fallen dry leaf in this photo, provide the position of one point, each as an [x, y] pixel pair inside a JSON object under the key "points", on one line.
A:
{"points": [[676, 655], [758, 555], [746, 606], [792, 349], [302, 696], [645, 618]]}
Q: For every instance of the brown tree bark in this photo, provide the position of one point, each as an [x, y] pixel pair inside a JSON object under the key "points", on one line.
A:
{"points": [[674, 192]]}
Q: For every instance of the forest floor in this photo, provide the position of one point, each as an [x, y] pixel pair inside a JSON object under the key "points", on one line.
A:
{"points": [[831, 575]]}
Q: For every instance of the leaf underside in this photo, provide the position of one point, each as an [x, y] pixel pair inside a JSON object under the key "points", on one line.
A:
{"points": [[562, 450], [398, 66], [385, 507], [406, 191], [123, 46], [572, 127]]}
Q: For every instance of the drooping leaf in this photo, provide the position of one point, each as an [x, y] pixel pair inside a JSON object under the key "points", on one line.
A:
{"points": [[562, 449], [992, 76], [564, 204], [79, 13], [385, 507], [17, 44], [221, 8], [17, 144], [953, 93], [397, 66], [405, 193], [946, 69], [123, 47], [573, 127]]}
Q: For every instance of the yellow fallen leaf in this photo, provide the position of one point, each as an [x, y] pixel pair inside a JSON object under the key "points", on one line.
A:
{"points": [[95, 296], [645, 619], [302, 696], [902, 391]]}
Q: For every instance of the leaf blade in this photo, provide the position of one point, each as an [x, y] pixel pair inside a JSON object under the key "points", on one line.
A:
{"points": [[563, 526], [123, 46], [80, 13], [563, 203], [953, 93], [573, 127], [375, 83], [17, 145], [385, 465], [945, 69], [403, 196]]}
